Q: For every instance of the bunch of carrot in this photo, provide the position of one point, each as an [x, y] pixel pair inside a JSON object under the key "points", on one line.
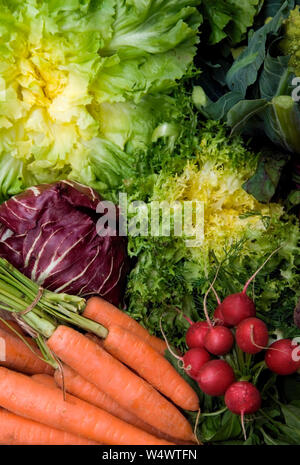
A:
{"points": [[120, 388]]}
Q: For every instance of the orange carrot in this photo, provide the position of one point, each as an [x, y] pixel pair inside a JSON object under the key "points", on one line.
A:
{"points": [[150, 365], [14, 325], [18, 431], [24, 396], [47, 380], [18, 356], [106, 314], [116, 380], [81, 388]]}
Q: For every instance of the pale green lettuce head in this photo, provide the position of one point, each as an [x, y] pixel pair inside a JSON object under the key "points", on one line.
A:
{"points": [[74, 74]]}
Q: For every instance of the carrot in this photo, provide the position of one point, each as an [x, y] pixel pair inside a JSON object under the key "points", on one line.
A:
{"points": [[106, 314], [26, 397], [81, 388], [116, 380], [47, 380], [18, 431], [14, 325], [19, 357], [150, 365]]}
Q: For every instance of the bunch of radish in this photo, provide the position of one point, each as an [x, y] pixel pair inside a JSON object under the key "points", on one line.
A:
{"points": [[234, 321]]}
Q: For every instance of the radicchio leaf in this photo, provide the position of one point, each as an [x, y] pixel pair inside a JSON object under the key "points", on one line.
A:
{"points": [[49, 233]]}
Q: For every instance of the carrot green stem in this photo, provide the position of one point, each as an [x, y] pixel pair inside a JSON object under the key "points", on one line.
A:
{"points": [[40, 325], [82, 322], [22, 287], [46, 353], [17, 293]]}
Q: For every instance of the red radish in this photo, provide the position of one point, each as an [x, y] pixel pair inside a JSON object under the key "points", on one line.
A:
{"points": [[279, 357], [219, 340], [252, 335], [215, 377], [219, 318], [196, 333], [242, 398], [238, 307], [194, 359]]}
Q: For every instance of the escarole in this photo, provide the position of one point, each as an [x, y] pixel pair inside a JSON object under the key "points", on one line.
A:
{"points": [[76, 84]]}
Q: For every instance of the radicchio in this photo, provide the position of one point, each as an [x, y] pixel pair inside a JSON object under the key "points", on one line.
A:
{"points": [[49, 233]]}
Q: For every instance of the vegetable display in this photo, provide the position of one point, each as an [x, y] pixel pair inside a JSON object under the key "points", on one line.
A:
{"points": [[149, 222]]}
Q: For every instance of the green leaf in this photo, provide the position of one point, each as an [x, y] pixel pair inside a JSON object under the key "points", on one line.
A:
{"points": [[291, 435], [76, 80], [275, 78], [229, 18], [262, 185], [218, 110], [230, 428], [287, 122], [154, 43], [244, 71], [292, 416], [293, 198], [271, 7], [14, 177], [239, 115]]}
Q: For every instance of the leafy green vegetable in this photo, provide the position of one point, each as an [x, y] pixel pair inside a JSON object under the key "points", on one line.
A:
{"points": [[290, 43], [13, 176], [255, 94], [264, 182], [243, 72], [77, 80], [229, 18]]}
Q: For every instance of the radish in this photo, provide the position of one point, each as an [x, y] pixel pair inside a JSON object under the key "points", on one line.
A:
{"points": [[194, 359], [252, 335], [219, 340], [219, 318], [242, 398], [238, 307], [196, 333], [215, 377], [279, 357]]}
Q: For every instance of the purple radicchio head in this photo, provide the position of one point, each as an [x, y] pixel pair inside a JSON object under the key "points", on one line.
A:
{"points": [[49, 233]]}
